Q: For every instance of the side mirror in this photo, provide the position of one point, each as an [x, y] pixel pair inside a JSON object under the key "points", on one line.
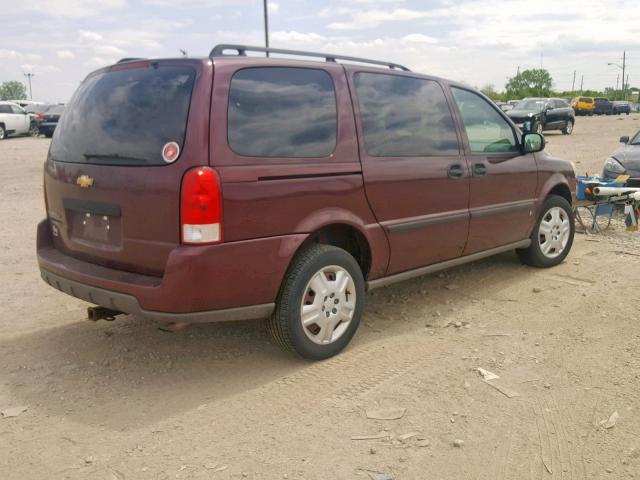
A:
{"points": [[532, 142], [624, 139]]}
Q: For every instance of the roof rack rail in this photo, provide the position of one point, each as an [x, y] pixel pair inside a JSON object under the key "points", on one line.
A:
{"points": [[129, 59], [218, 51]]}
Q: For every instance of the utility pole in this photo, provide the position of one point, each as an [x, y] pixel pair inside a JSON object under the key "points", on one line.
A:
{"points": [[581, 82], [518, 72], [627, 86], [624, 66], [29, 75], [266, 25], [573, 84]]}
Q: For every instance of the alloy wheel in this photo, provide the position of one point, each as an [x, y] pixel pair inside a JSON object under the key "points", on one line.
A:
{"points": [[328, 305], [554, 232]]}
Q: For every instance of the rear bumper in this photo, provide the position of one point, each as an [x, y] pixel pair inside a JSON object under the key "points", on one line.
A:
{"points": [[237, 280]]}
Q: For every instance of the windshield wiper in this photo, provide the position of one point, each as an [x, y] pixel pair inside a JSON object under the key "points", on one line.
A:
{"points": [[113, 157]]}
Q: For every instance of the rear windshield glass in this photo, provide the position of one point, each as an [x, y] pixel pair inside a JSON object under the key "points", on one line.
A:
{"points": [[125, 117], [586, 100]]}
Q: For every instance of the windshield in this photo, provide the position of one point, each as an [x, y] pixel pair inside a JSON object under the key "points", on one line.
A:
{"points": [[537, 105], [125, 117], [635, 140]]}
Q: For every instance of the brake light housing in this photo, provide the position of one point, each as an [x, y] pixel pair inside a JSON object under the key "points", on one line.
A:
{"points": [[200, 207]]}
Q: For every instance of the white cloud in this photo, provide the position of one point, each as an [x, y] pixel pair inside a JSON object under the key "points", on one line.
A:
{"points": [[38, 69], [4, 53], [88, 35], [366, 19], [100, 62], [273, 7], [65, 54], [108, 50], [72, 8], [418, 38], [294, 37]]}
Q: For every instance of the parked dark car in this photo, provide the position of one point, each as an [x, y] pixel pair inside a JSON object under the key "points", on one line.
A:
{"points": [[36, 112], [620, 106], [603, 106], [625, 160], [541, 114], [240, 187], [50, 120]]}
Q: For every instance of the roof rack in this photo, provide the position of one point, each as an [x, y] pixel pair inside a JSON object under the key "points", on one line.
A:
{"points": [[218, 51], [129, 59]]}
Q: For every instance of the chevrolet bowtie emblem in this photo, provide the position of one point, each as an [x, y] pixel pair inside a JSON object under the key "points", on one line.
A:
{"points": [[85, 181]]}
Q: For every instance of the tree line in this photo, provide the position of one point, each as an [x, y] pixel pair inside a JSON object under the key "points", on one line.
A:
{"points": [[537, 82]]}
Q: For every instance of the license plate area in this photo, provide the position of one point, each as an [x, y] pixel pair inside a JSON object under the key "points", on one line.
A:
{"points": [[94, 224]]}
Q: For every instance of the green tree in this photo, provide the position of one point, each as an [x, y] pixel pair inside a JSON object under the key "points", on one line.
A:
{"points": [[490, 91], [536, 82], [13, 90]]}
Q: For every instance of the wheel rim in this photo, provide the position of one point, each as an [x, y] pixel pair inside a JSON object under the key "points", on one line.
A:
{"points": [[553, 233], [328, 305], [34, 131], [1, 133], [569, 127], [539, 128]]}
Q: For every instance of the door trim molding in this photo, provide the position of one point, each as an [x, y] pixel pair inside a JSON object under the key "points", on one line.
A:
{"points": [[424, 221], [418, 272], [505, 208]]}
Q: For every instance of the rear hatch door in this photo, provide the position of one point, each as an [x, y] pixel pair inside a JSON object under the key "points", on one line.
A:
{"points": [[113, 173]]}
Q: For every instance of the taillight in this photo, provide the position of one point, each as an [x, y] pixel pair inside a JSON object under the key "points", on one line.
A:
{"points": [[201, 207]]}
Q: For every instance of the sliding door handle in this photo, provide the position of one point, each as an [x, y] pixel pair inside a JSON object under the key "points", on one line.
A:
{"points": [[455, 171]]}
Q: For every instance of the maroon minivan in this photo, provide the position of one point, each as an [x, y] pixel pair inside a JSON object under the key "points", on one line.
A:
{"points": [[243, 187]]}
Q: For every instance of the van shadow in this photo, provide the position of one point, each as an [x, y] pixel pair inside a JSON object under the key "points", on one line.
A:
{"points": [[128, 374]]}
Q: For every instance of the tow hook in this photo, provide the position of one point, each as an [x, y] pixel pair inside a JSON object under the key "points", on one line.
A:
{"points": [[102, 313]]}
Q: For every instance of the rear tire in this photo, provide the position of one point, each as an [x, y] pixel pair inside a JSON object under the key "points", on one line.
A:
{"points": [[48, 134], [3, 132], [568, 128], [324, 286], [34, 131], [552, 236]]}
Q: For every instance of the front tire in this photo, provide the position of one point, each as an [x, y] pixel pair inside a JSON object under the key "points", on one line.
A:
{"points": [[320, 303], [537, 128], [552, 236], [568, 128], [3, 132]]}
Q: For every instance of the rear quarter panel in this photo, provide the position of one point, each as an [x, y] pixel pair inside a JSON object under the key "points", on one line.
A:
{"points": [[267, 197]]}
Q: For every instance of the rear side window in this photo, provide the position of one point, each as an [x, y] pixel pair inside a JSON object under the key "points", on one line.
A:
{"points": [[282, 112], [124, 117], [404, 116], [5, 109]]}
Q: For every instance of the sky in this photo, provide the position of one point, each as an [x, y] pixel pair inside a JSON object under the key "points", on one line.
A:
{"points": [[478, 42]]}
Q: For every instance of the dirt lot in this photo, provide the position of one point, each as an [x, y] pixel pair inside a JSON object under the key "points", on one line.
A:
{"points": [[124, 400]]}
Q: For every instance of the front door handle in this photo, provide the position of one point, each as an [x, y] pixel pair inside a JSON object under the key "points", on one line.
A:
{"points": [[455, 171], [479, 169]]}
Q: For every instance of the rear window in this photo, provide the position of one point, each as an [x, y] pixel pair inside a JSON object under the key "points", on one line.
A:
{"points": [[405, 116], [282, 112], [586, 100], [125, 117]]}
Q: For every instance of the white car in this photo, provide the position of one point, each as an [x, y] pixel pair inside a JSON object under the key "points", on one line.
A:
{"points": [[14, 120]]}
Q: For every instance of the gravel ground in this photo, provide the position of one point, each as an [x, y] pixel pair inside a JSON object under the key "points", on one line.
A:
{"points": [[124, 400]]}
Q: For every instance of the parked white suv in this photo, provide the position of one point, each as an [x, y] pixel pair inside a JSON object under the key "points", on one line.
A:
{"points": [[14, 120]]}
